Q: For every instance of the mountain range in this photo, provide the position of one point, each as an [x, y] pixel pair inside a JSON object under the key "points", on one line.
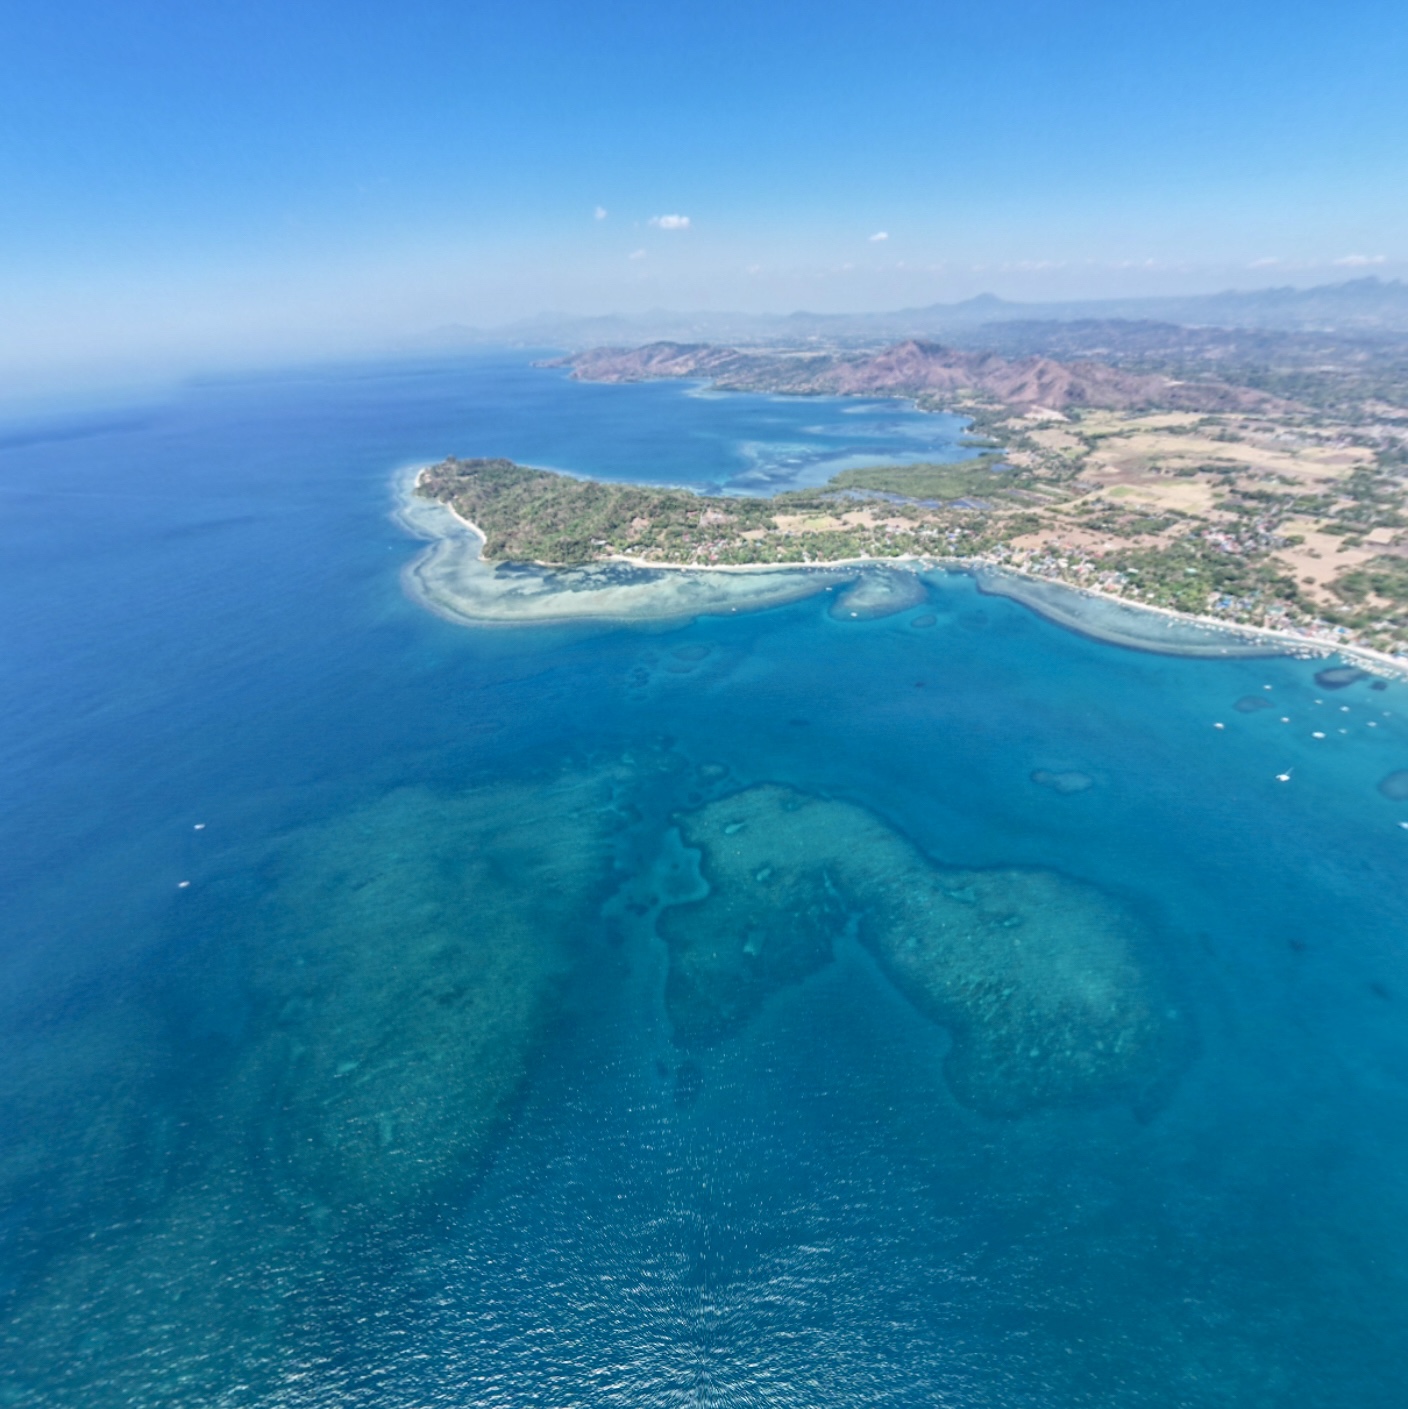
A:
{"points": [[916, 368], [1358, 308]]}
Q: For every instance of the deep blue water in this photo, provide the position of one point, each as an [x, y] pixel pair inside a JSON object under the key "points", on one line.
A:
{"points": [[203, 624]]}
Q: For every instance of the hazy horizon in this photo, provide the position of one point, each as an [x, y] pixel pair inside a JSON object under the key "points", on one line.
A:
{"points": [[191, 188], [30, 385]]}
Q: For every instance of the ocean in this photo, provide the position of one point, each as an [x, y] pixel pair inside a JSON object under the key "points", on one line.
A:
{"points": [[777, 1008]]}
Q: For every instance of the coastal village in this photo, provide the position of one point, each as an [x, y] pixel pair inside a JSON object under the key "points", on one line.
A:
{"points": [[1267, 520], [1198, 496]]}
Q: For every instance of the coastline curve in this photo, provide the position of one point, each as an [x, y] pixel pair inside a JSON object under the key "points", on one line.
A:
{"points": [[451, 579]]}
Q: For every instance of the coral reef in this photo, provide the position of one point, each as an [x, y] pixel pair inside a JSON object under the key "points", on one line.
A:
{"points": [[877, 594], [1395, 786], [1066, 781], [1337, 677], [396, 980], [417, 945], [1049, 988]]}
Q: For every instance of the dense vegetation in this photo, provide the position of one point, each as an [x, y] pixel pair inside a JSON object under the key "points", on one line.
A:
{"points": [[529, 515], [1191, 575], [962, 479], [535, 516], [1386, 578], [1028, 508]]}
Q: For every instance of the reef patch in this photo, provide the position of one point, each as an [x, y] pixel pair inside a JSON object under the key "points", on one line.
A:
{"points": [[1050, 989], [1395, 786], [395, 982], [878, 594], [419, 945], [1338, 677], [1065, 781], [767, 916]]}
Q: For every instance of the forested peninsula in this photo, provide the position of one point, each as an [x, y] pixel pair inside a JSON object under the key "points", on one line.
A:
{"points": [[1172, 482], [538, 516]]}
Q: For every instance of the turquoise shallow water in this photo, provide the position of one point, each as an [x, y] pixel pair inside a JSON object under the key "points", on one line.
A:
{"points": [[476, 1065]]}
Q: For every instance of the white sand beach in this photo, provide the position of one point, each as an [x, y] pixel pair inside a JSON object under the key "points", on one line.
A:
{"points": [[451, 579], [1148, 628]]}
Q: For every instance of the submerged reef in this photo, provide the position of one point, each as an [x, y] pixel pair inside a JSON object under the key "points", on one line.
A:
{"points": [[395, 978], [1395, 786], [1049, 988], [345, 1020], [879, 594], [1337, 677], [414, 950], [767, 914], [1065, 781]]}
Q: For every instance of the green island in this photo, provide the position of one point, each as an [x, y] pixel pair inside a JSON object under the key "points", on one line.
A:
{"points": [[1277, 502]]}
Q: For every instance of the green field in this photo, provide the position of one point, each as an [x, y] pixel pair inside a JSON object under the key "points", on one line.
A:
{"points": [[960, 479]]}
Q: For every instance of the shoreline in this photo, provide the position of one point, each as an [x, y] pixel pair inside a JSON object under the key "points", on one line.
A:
{"points": [[1037, 593], [451, 579]]}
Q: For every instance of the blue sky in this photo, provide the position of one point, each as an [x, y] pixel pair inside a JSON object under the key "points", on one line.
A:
{"points": [[190, 178]]}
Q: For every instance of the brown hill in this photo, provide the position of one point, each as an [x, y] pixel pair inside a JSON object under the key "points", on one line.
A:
{"points": [[915, 369]]}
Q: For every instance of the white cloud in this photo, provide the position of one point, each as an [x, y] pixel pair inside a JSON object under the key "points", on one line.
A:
{"points": [[879, 235], [1358, 261], [636, 254], [1264, 263], [670, 222], [599, 213]]}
